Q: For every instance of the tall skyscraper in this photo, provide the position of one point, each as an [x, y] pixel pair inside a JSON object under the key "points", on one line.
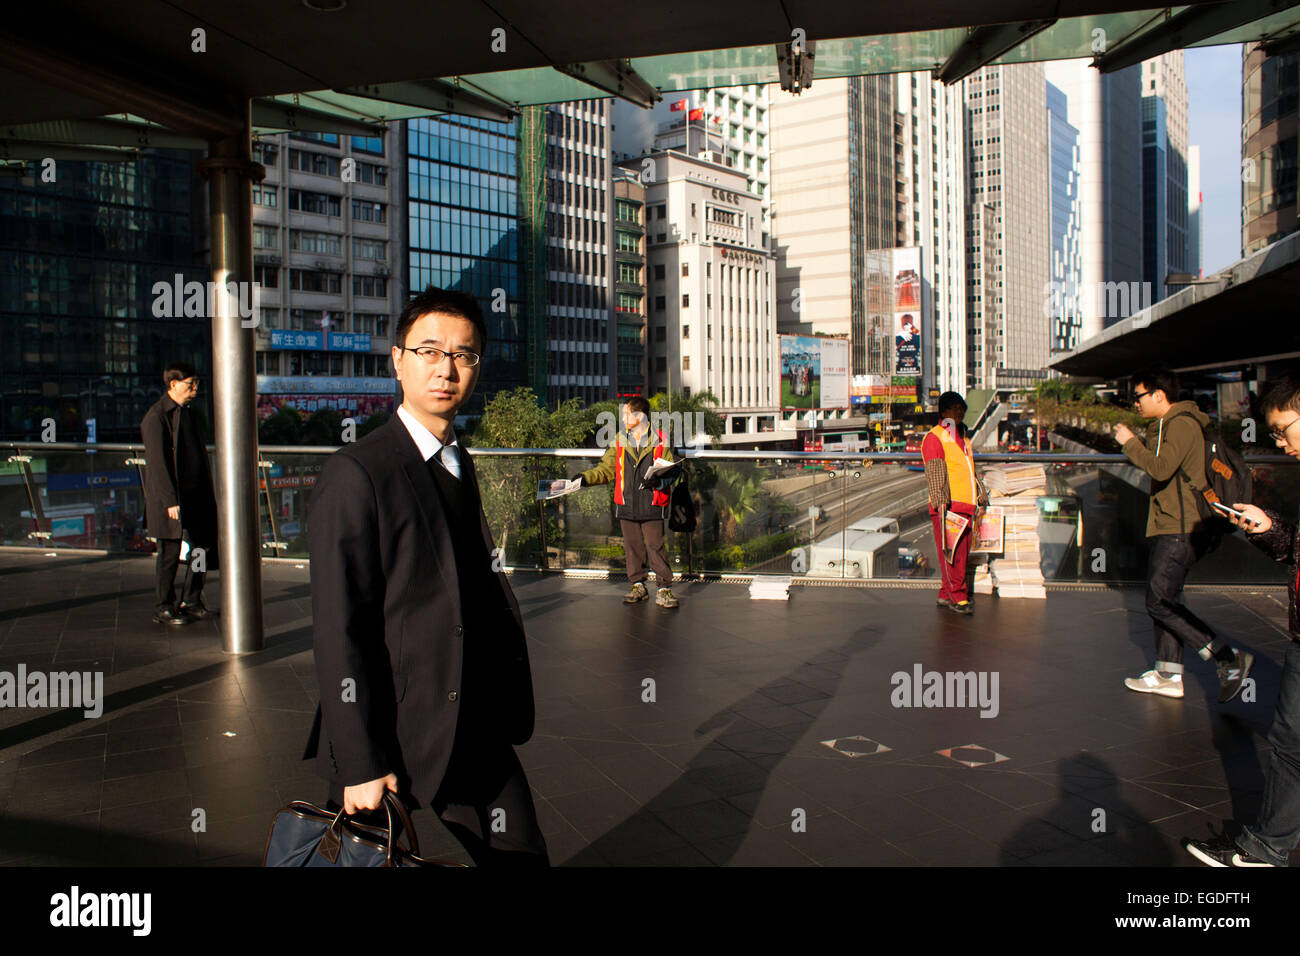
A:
{"points": [[79, 259], [932, 176], [1106, 109], [1194, 261], [1164, 170], [580, 272], [1270, 208], [463, 210], [629, 282], [1008, 226], [837, 202], [1066, 274], [328, 227]]}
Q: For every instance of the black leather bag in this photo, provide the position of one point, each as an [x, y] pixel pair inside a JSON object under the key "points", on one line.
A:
{"points": [[302, 834]]}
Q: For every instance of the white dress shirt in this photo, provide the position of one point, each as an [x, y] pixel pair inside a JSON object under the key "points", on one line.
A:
{"points": [[429, 444]]}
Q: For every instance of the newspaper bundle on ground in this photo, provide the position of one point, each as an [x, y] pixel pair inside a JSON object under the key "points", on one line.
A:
{"points": [[954, 525], [557, 488], [770, 587], [661, 470], [1017, 571]]}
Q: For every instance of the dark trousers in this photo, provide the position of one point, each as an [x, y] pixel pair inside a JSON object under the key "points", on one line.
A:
{"points": [[643, 542], [1169, 559], [485, 802], [169, 559], [952, 577], [1277, 831]]}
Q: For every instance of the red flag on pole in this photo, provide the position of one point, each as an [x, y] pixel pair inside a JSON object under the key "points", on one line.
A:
{"points": [[678, 106], [695, 114]]}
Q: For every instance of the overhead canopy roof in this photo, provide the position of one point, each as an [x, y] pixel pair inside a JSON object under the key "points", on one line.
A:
{"points": [[1243, 316], [382, 60]]}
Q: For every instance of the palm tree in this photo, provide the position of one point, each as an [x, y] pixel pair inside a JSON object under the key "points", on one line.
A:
{"points": [[738, 494]]}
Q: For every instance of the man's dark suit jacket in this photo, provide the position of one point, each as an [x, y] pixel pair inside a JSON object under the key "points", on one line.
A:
{"points": [[386, 613]]}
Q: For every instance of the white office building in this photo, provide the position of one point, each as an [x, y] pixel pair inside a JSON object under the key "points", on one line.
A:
{"points": [[711, 318]]}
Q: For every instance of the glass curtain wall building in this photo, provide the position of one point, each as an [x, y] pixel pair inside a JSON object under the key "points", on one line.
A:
{"points": [[463, 182], [1269, 101], [1067, 274], [79, 257]]}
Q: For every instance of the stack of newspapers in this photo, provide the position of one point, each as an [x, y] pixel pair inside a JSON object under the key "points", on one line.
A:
{"points": [[1018, 572], [770, 587]]}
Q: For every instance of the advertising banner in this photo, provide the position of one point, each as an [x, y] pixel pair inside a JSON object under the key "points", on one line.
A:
{"points": [[907, 311], [814, 372]]}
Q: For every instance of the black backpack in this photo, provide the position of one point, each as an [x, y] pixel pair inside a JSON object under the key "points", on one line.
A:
{"points": [[1228, 480], [681, 509]]}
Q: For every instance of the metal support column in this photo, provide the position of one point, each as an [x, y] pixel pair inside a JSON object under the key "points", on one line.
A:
{"points": [[229, 170]]}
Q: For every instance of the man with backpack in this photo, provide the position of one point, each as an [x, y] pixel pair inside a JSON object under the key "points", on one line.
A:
{"points": [[1173, 454], [640, 510], [1276, 831]]}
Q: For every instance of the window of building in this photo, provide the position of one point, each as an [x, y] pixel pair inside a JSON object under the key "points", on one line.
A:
{"points": [[686, 331], [300, 200], [661, 363], [661, 303], [661, 333], [686, 300], [686, 363], [318, 163], [268, 277], [686, 269], [376, 286], [310, 280], [369, 248], [369, 211], [659, 271], [266, 237], [321, 243], [265, 196]]}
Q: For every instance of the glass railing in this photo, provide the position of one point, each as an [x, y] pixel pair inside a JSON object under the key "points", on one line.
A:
{"points": [[815, 515]]}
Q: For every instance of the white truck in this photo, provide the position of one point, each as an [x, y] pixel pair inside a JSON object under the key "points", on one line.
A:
{"points": [[868, 548]]}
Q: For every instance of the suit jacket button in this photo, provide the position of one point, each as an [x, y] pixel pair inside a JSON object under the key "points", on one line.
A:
{"points": [[452, 696], [459, 630]]}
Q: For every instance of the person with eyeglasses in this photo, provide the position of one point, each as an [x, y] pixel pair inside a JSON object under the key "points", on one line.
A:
{"points": [[1176, 535], [425, 686], [1275, 833], [179, 497]]}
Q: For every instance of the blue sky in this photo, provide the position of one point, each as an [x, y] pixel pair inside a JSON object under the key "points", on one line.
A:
{"points": [[1214, 124]]}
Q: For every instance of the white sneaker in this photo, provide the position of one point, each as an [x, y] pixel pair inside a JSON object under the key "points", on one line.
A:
{"points": [[1152, 683]]}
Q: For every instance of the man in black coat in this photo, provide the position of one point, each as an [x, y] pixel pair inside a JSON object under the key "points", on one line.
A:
{"points": [[178, 495], [419, 643]]}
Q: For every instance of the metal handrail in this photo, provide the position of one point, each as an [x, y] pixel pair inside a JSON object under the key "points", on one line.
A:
{"points": [[717, 454]]}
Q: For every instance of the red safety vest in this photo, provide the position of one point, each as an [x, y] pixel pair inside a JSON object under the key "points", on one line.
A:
{"points": [[658, 498]]}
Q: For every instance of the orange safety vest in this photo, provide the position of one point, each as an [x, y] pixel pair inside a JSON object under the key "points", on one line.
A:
{"points": [[658, 498], [961, 467]]}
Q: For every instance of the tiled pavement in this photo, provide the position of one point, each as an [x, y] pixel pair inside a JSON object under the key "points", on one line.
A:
{"points": [[723, 766]]}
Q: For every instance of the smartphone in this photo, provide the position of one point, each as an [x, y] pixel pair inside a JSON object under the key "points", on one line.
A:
{"points": [[1220, 506]]}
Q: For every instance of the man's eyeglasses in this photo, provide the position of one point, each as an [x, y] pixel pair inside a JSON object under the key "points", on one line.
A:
{"points": [[1138, 396], [1280, 434], [431, 356], [191, 383]]}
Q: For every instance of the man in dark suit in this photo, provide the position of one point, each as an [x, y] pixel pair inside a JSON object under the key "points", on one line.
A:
{"points": [[178, 495], [419, 642]]}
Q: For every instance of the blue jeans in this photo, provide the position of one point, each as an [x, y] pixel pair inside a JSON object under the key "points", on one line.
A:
{"points": [[1277, 831], [1169, 559]]}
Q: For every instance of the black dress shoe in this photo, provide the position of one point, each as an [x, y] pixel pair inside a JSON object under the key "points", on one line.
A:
{"points": [[198, 611], [171, 616]]}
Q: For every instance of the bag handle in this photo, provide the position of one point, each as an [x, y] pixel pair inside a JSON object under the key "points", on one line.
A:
{"points": [[330, 844]]}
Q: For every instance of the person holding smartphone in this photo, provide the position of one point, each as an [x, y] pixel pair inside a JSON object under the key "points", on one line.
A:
{"points": [[1177, 539], [1276, 831]]}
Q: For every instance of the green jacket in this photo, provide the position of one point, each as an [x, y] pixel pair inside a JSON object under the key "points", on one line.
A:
{"points": [[638, 504], [1167, 446]]}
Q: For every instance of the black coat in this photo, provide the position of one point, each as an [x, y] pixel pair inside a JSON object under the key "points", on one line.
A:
{"points": [[387, 614], [177, 473]]}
